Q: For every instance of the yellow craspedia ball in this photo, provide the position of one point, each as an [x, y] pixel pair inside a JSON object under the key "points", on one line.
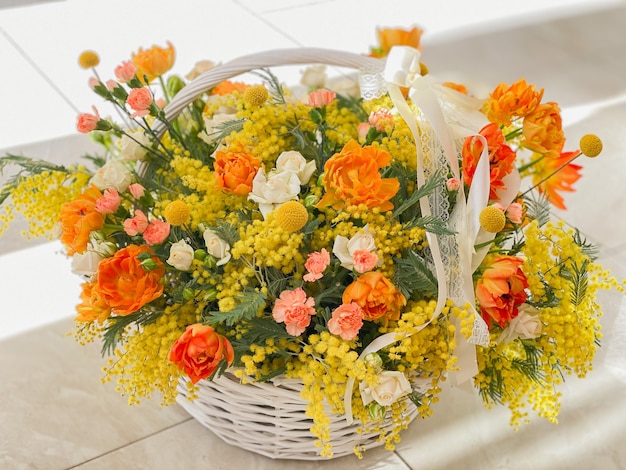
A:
{"points": [[590, 145], [492, 219], [177, 213], [292, 216], [255, 95], [88, 59]]}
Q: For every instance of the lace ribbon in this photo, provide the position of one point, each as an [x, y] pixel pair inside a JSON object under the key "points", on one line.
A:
{"points": [[456, 262]]}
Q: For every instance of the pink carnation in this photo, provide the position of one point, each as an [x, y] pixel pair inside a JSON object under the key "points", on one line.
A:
{"points": [[346, 321], [140, 100], [93, 82], [125, 72], [156, 232], [321, 97], [364, 260], [515, 212], [362, 129], [136, 225], [380, 119], [295, 310], [315, 265], [136, 190], [109, 202], [88, 122], [453, 184]]}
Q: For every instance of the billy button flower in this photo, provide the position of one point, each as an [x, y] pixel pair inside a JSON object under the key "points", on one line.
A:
{"points": [[590, 145], [292, 216], [177, 213], [255, 96], [492, 219], [88, 59]]}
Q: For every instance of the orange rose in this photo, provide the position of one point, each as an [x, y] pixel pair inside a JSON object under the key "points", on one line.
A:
{"points": [[78, 219], [389, 37], [153, 62], [351, 177], [235, 170], [199, 351], [227, 87], [507, 102], [501, 289], [92, 307], [376, 295], [124, 284], [501, 158], [543, 131]]}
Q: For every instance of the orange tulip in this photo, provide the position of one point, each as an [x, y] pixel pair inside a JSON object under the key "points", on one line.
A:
{"points": [[543, 131], [506, 103], [124, 284], [92, 306], [227, 87], [199, 351], [389, 37], [561, 180], [78, 219], [153, 62], [351, 177], [376, 295]]}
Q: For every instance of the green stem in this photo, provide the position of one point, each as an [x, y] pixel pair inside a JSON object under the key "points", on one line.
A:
{"points": [[551, 174], [523, 168]]}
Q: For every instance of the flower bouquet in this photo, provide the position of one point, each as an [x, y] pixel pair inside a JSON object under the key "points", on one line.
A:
{"points": [[258, 249]]}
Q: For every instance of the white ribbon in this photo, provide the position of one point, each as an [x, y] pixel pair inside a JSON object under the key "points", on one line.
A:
{"points": [[403, 70]]}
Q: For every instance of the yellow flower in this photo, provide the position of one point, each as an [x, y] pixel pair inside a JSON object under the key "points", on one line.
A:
{"points": [[88, 59], [292, 216], [590, 145], [255, 95], [492, 219], [177, 213]]}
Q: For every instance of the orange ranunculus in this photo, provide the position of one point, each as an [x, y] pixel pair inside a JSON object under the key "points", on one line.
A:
{"points": [[199, 351], [235, 170], [508, 102], [92, 306], [153, 62], [389, 37], [351, 177], [124, 284], [376, 295], [501, 289], [78, 218], [562, 180], [543, 131], [501, 158], [227, 87]]}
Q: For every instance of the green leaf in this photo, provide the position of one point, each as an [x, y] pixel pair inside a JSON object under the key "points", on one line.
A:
{"points": [[115, 329], [537, 208], [412, 276], [262, 329], [433, 183], [248, 305], [272, 82], [579, 277]]}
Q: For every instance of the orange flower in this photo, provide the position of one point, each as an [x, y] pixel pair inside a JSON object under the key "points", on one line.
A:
{"points": [[508, 102], [92, 306], [227, 87], [351, 177], [235, 170], [199, 351], [543, 131], [153, 62], [78, 219], [501, 158], [124, 284], [389, 37], [501, 289], [376, 295], [562, 180], [456, 86]]}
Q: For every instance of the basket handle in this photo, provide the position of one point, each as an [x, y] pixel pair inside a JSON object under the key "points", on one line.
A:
{"points": [[370, 70]]}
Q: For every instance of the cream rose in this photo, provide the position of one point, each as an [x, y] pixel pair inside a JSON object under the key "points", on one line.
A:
{"points": [[314, 76], [391, 386], [113, 174], [217, 247], [270, 192], [294, 161], [134, 147], [181, 255], [86, 264], [212, 126], [344, 86], [526, 325], [345, 248], [199, 68]]}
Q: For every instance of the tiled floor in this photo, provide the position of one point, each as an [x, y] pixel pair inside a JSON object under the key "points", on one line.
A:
{"points": [[54, 412]]}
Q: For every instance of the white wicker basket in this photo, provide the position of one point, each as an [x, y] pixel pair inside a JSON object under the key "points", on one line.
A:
{"points": [[269, 419]]}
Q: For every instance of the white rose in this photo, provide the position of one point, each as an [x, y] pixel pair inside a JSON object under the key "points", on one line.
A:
{"points": [[344, 249], [295, 162], [133, 147], [217, 247], [314, 76], [344, 86], [212, 126], [391, 386], [526, 325], [113, 174], [86, 264], [99, 244], [181, 255], [270, 192]]}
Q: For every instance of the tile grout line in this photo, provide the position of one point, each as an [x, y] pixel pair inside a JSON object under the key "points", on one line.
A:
{"points": [[128, 444], [38, 69]]}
